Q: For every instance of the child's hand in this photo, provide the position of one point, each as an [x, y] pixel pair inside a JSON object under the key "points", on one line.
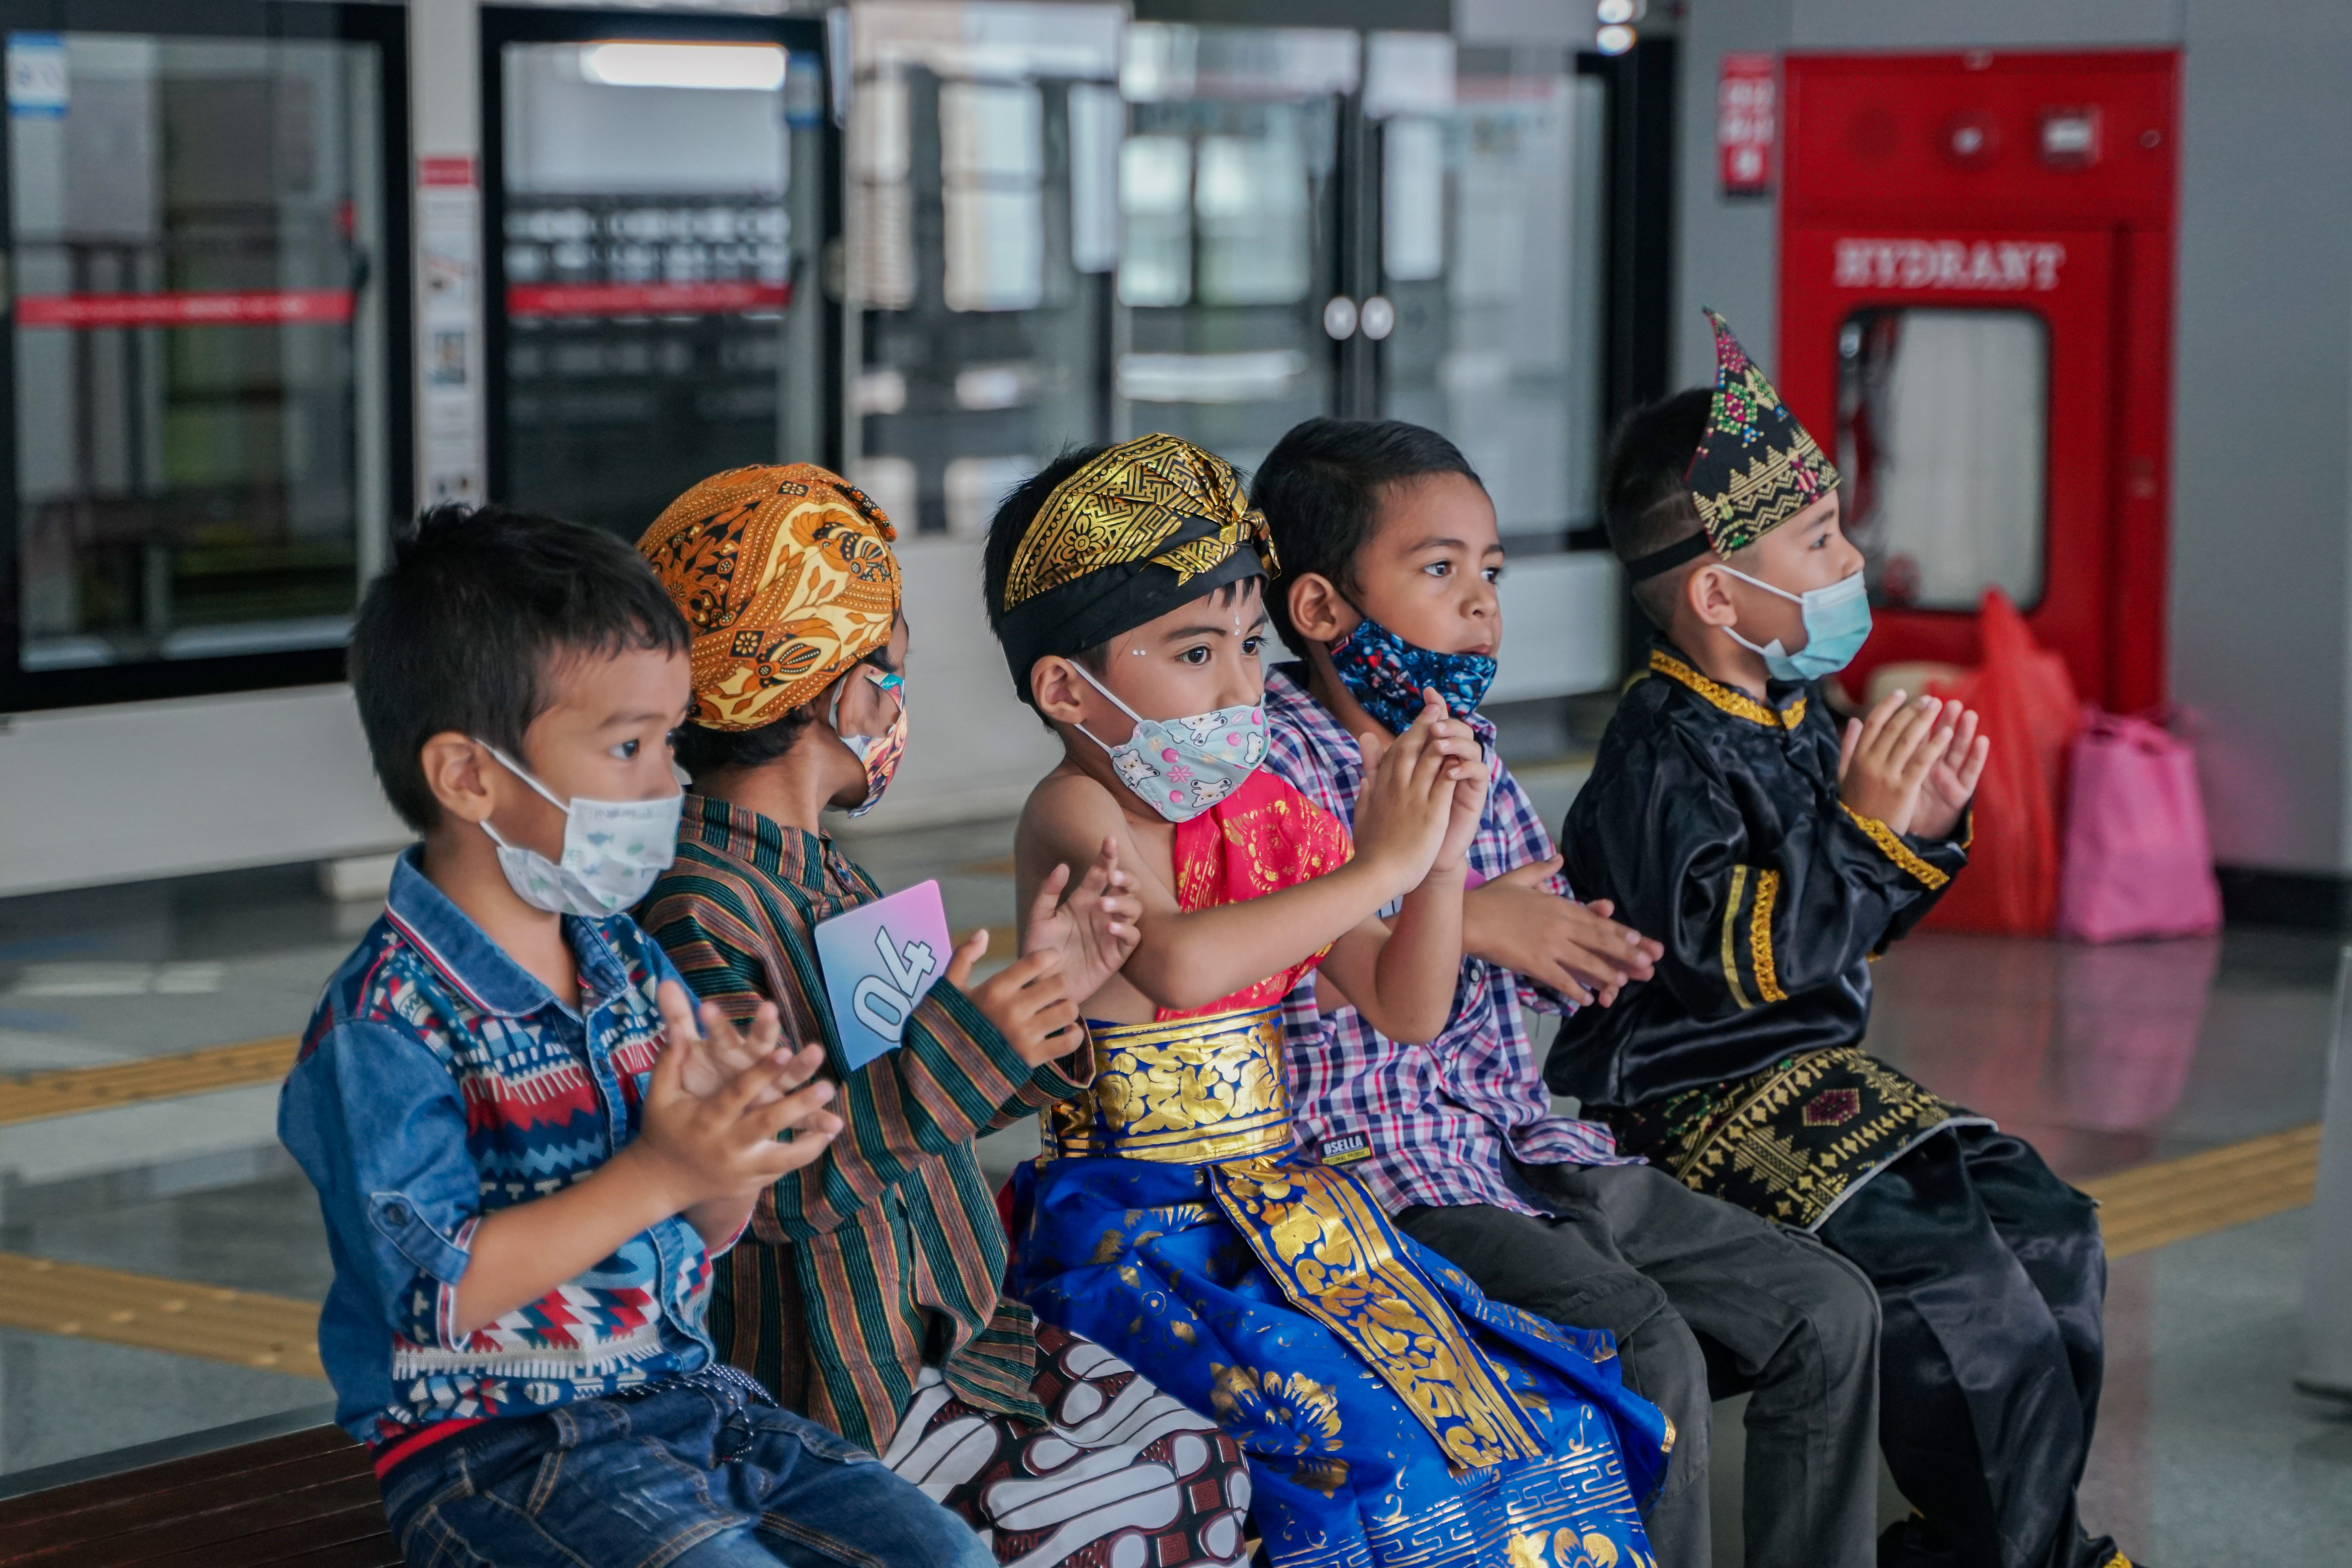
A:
{"points": [[1027, 1000], [1885, 758], [1468, 810], [1519, 922], [1407, 802], [716, 1052], [1093, 928], [1951, 783], [704, 1148]]}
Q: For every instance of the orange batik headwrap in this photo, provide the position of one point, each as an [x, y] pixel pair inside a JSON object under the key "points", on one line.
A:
{"points": [[787, 578]]}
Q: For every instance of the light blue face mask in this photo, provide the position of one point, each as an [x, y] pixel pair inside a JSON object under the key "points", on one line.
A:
{"points": [[1837, 621]]}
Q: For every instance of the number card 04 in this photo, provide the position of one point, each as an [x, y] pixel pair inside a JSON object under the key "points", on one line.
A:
{"points": [[879, 960]]}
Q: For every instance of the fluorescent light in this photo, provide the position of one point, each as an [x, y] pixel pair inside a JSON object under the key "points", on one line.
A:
{"points": [[1614, 40], [739, 68]]}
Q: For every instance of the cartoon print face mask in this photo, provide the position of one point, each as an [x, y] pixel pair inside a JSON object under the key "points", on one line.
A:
{"points": [[1181, 767]]}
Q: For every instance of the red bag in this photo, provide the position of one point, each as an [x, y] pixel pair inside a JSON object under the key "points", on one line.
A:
{"points": [[2025, 702], [2137, 862]]}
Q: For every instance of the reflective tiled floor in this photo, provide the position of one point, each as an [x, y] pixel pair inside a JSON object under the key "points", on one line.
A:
{"points": [[2109, 1058]]}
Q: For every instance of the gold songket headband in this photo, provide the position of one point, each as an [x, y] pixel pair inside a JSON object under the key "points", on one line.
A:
{"points": [[1144, 527]]}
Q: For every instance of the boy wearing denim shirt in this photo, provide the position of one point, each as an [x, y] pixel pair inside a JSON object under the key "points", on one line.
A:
{"points": [[526, 1151], [1389, 552]]}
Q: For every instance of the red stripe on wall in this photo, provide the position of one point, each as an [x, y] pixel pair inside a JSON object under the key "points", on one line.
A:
{"points": [[528, 299], [259, 308]]}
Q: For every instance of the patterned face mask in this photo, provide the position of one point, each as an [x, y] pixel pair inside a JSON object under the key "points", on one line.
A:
{"points": [[1181, 767], [1386, 674], [612, 850], [880, 753]]}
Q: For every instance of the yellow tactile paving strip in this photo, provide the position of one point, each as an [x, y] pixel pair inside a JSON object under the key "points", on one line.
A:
{"points": [[29, 1097], [243, 1328], [2154, 1205]]}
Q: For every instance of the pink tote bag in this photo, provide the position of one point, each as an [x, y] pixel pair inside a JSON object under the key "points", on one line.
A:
{"points": [[2137, 862]]}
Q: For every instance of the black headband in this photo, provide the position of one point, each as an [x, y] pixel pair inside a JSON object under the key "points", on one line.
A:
{"points": [[1096, 607], [1666, 560]]}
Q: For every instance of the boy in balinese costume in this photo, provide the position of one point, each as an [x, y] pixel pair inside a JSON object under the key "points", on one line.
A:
{"points": [[1775, 856], [1390, 556], [867, 1294], [1391, 1412]]}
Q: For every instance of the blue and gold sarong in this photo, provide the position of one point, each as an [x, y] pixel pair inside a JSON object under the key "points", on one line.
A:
{"points": [[1393, 1414]]}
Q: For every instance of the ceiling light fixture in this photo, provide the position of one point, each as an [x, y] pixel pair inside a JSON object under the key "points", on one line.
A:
{"points": [[738, 67]]}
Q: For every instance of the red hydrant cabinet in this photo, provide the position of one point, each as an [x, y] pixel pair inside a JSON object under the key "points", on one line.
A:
{"points": [[1976, 307]]}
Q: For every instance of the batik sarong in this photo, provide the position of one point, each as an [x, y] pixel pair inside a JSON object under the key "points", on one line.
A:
{"points": [[1391, 1414]]}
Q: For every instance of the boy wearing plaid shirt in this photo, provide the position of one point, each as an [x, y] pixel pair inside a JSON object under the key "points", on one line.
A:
{"points": [[1389, 552]]}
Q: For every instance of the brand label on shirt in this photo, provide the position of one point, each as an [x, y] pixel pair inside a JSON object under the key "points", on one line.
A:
{"points": [[1347, 1149]]}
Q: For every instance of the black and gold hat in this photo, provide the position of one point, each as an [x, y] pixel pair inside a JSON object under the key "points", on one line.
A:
{"points": [[1755, 469]]}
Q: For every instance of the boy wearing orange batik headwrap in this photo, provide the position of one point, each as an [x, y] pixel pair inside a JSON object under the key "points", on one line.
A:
{"points": [[867, 1294]]}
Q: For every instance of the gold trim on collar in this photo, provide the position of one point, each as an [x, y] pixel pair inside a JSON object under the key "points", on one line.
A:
{"points": [[1738, 704], [1892, 846]]}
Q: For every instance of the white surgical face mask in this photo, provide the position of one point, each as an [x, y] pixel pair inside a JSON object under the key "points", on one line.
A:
{"points": [[612, 850], [1837, 623]]}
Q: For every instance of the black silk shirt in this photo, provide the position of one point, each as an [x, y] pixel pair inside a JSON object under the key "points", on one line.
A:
{"points": [[1713, 821]]}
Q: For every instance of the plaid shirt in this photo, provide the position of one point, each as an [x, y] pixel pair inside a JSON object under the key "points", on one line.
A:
{"points": [[1425, 1124]]}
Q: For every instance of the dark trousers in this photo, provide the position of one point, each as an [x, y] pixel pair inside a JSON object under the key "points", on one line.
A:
{"points": [[1705, 1300], [1990, 1277]]}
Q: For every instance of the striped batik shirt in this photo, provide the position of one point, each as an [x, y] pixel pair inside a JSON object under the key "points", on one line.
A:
{"points": [[886, 1252]]}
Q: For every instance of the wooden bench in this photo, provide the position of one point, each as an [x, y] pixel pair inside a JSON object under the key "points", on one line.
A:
{"points": [[303, 1496]]}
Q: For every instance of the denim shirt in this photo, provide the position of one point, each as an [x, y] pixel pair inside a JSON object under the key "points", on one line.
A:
{"points": [[438, 1082]]}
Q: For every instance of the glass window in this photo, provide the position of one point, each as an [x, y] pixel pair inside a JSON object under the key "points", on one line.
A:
{"points": [[661, 216], [203, 397], [1490, 254], [1942, 434]]}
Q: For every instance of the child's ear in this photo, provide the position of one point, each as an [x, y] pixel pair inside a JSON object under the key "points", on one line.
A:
{"points": [[1054, 682], [1318, 610], [1708, 598], [453, 765]]}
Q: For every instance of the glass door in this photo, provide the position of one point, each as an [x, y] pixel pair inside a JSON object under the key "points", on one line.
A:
{"points": [[656, 201], [1486, 320], [982, 233], [207, 424], [1234, 201]]}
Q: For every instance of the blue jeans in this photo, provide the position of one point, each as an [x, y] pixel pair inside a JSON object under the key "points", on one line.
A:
{"points": [[703, 1472]]}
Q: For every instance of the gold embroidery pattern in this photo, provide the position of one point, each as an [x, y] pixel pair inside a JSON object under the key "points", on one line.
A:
{"points": [[1738, 704], [1751, 1142], [1190, 1093], [1292, 1411], [1127, 506], [1759, 938], [1539, 1511], [1895, 849], [1731, 953], [1786, 472], [1315, 1233]]}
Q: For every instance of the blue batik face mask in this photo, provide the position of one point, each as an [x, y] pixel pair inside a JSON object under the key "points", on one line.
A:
{"points": [[1387, 674], [1181, 767], [1837, 622]]}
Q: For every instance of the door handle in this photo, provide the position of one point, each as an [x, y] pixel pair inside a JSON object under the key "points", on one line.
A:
{"points": [[1340, 318], [1378, 318]]}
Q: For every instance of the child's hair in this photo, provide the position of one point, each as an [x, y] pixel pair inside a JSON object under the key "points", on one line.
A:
{"points": [[460, 632], [702, 752], [1645, 502], [1320, 491], [1013, 515]]}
